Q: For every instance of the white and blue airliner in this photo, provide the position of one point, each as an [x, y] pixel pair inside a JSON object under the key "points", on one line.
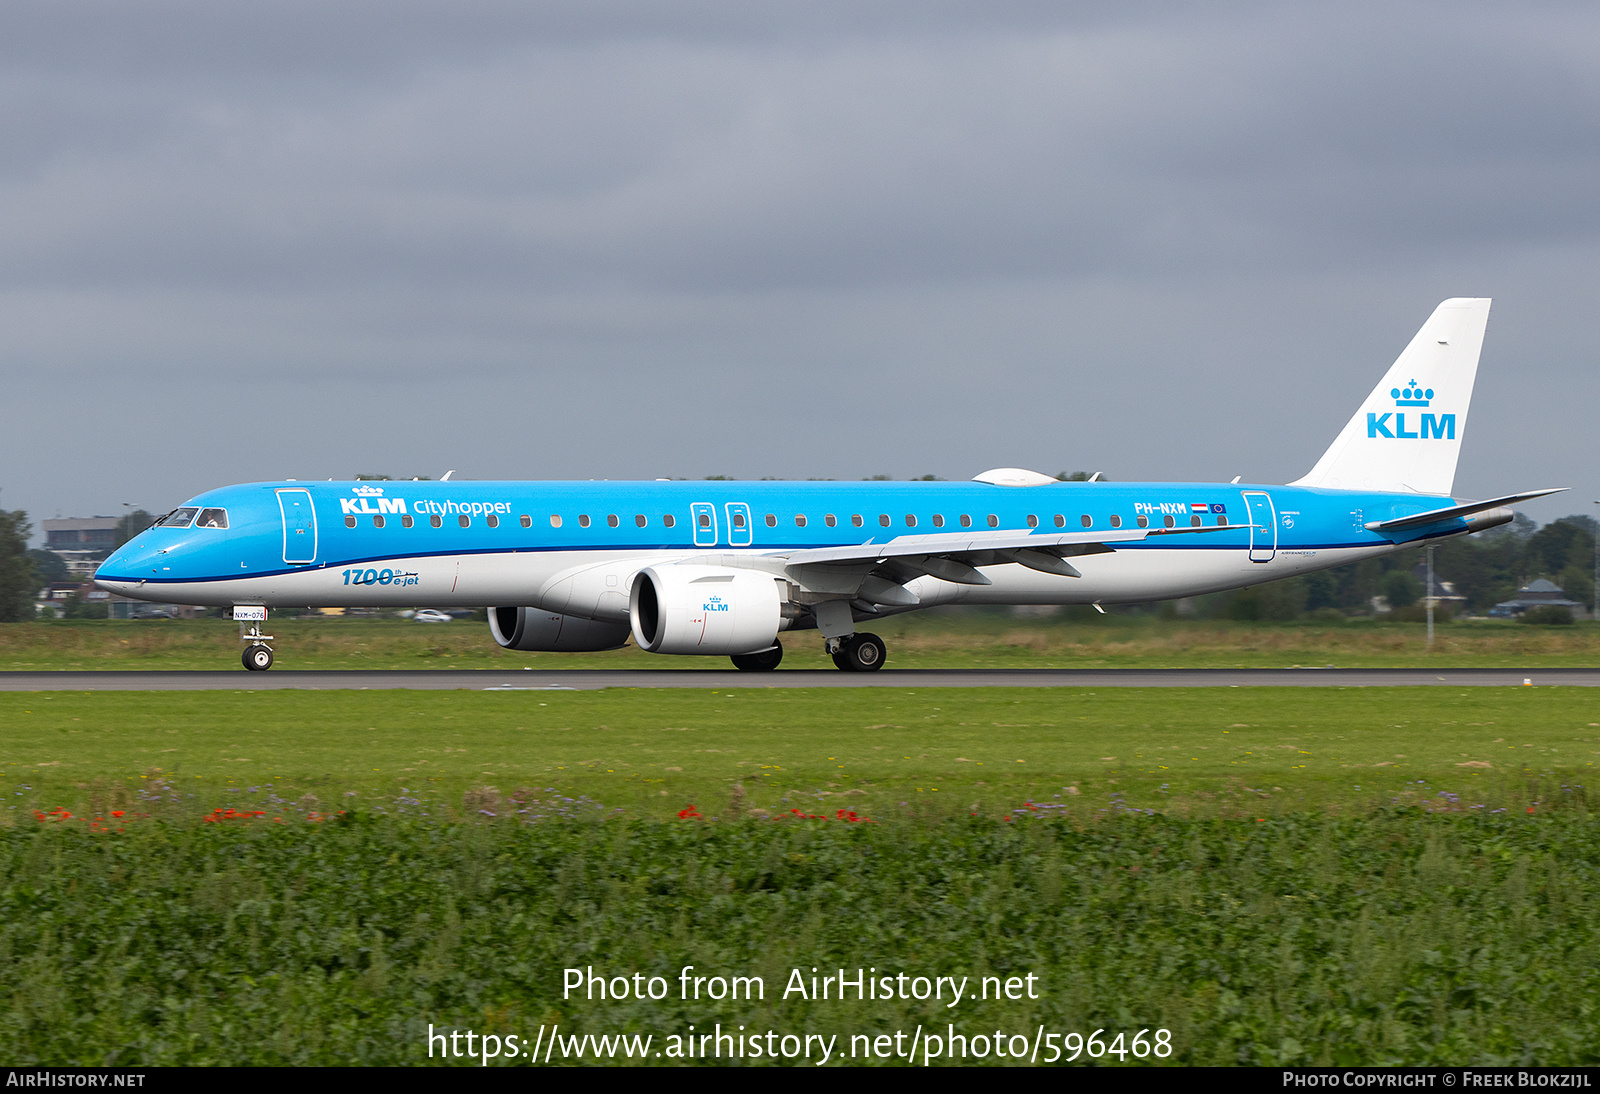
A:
{"points": [[723, 567]]}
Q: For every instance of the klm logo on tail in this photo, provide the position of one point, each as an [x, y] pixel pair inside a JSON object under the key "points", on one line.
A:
{"points": [[1441, 427]]}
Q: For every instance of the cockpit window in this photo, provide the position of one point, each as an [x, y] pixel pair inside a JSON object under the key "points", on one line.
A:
{"points": [[178, 518], [212, 518]]}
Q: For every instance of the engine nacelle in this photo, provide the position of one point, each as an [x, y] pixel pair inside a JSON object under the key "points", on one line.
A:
{"points": [[546, 632], [702, 609]]}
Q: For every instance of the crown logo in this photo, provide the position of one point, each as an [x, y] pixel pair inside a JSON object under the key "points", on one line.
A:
{"points": [[374, 491], [1411, 395]]}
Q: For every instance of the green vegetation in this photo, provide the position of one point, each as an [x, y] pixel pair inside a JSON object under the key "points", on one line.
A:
{"points": [[886, 753], [18, 580], [1318, 876], [944, 639], [1395, 938], [1486, 569]]}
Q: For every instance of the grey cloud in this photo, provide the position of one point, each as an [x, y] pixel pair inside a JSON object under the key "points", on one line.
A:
{"points": [[1058, 152], [896, 237]]}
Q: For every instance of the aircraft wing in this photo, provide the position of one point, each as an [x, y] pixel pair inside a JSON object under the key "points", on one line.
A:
{"points": [[877, 572], [1434, 516]]}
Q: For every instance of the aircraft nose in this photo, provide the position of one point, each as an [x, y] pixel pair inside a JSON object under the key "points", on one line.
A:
{"points": [[130, 562]]}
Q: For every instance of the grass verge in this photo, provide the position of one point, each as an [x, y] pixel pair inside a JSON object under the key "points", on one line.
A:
{"points": [[886, 752], [936, 639]]}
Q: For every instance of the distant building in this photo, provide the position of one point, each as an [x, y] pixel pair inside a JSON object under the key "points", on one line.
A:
{"points": [[81, 542], [1538, 594]]}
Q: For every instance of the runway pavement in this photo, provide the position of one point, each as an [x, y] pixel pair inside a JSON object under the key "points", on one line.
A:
{"points": [[594, 679]]}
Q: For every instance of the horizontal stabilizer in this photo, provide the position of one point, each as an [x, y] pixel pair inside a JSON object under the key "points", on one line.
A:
{"points": [[1434, 516]]}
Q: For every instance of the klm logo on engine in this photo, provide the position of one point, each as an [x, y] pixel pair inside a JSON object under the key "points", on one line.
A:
{"points": [[363, 502], [715, 604], [1430, 427]]}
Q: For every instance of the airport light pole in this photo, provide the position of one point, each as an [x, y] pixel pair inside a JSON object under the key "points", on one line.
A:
{"points": [[1430, 596]]}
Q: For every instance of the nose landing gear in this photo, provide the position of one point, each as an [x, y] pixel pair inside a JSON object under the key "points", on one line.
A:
{"points": [[257, 655]]}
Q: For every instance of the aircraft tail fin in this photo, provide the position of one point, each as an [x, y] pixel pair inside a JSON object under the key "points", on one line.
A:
{"points": [[1406, 437]]}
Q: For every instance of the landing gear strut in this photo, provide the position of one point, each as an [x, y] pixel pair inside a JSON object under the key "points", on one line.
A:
{"points": [[765, 661], [861, 652]]}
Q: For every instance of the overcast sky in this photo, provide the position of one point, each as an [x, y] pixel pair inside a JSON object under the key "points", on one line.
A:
{"points": [[247, 241]]}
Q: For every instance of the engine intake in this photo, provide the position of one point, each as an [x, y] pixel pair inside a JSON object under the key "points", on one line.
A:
{"points": [[546, 632], [701, 609]]}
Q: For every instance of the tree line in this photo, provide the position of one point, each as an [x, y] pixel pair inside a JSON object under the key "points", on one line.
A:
{"points": [[23, 572], [1486, 569]]}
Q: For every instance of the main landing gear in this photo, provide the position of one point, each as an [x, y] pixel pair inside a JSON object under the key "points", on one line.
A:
{"points": [[765, 661], [853, 653], [861, 652]]}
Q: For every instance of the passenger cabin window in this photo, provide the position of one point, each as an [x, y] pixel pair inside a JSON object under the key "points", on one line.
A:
{"points": [[911, 521], [1142, 522], [212, 518], [1168, 521], [583, 520], [1033, 521], [966, 521], [525, 520], [772, 521], [349, 522], [611, 519], [493, 521], [738, 520], [464, 520], [830, 520], [1061, 521], [1195, 520], [1222, 522], [1086, 520], [855, 518], [994, 521], [555, 520], [178, 518], [705, 520], [377, 521], [669, 520], [407, 522], [938, 520], [1116, 521], [639, 520], [436, 520], [800, 520], [883, 520]]}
